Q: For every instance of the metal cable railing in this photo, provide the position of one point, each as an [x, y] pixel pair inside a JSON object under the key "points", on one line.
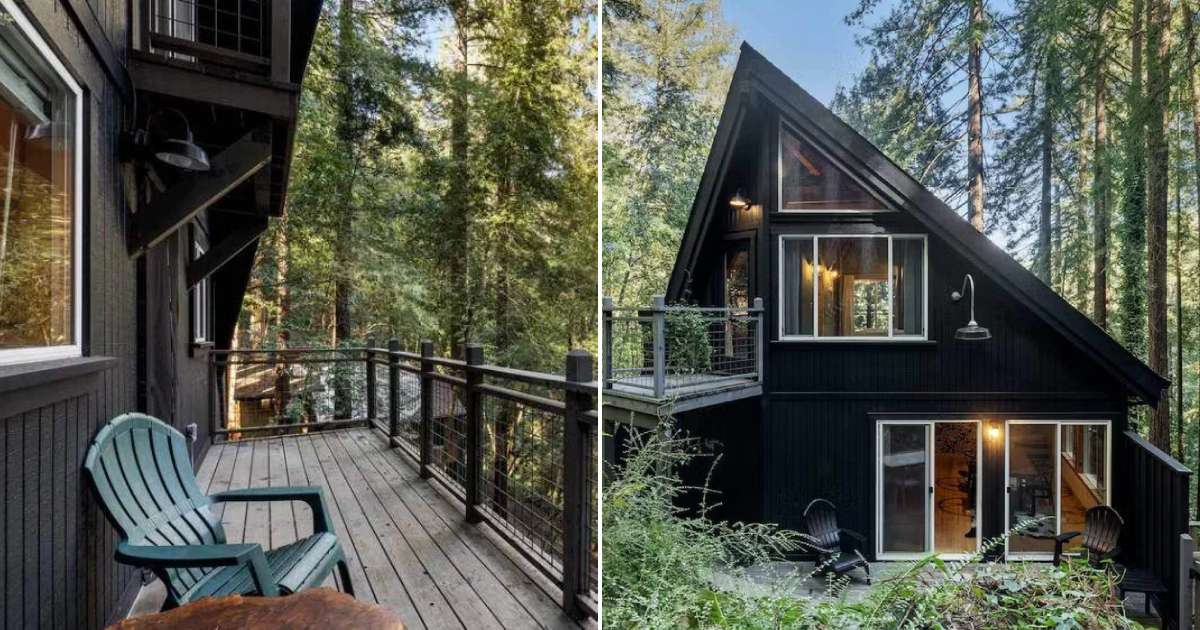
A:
{"points": [[516, 447], [669, 350]]}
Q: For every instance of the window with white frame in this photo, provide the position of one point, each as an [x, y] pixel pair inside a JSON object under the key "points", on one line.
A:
{"points": [[201, 304], [849, 286], [40, 197], [810, 182]]}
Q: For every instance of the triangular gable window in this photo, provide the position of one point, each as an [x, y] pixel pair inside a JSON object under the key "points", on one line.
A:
{"points": [[809, 182]]}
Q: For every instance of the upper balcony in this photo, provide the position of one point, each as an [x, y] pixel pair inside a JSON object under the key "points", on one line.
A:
{"points": [[667, 359], [244, 54]]}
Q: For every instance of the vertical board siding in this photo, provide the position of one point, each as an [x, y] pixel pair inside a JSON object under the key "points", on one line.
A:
{"points": [[57, 549]]}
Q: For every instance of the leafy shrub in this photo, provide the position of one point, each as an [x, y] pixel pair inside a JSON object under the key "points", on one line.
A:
{"points": [[686, 337], [664, 568]]}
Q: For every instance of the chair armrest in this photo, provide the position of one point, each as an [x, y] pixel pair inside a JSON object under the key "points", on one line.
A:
{"points": [[190, 556], [1066, 536], [862, 540], [314, 496]]}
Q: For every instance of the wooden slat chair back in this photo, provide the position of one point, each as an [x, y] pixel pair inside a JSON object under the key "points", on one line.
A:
{"points": [[141, 472], [1101, 532], [826, 538], [820, 523]]}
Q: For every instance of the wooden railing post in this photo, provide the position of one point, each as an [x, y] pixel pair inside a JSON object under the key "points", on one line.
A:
{"points": [[759, 320], [660, 346], [393, 391], [426, 409], [474, 430], [370, 360], [575, 494], [1187, 547], [607, 357], [214, 401]]}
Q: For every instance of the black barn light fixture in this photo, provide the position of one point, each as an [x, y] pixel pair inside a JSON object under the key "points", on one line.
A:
{"points": [[738, 201], [168, 136], [972, 331]]}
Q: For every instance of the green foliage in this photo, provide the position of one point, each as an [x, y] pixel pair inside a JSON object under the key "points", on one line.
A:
{"points": [[686, 337], [448, 182], [666, 568], [667, 67]]}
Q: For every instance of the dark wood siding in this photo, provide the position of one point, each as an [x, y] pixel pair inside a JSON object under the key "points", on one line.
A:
{"points": [[816, 434], [57, 554]]}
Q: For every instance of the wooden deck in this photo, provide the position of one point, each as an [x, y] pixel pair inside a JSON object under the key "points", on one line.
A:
{"points": [[408, 547]]}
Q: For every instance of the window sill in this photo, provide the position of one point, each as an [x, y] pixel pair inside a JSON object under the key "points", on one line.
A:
{"points": [[829, 341], [24, 375], [28, 386], [200, 347]]}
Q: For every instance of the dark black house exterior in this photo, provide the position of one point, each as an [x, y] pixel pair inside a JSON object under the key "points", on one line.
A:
{"points": [[924, 441], [119, 269]]}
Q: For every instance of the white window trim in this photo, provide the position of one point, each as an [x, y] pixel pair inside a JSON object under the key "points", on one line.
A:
{"points": [[74, 349], [788, 128], [931, 480], [1058, 424], [891, 337], [201, 308]]}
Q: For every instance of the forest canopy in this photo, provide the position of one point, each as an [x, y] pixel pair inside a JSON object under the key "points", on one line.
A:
{"points": [[443, 184]]}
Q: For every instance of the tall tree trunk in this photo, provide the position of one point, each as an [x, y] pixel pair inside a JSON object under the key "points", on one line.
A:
{"points": [[1044, 265], [1101, 188], [1158, 24], [1178, 324], [975, 116], [1194, 85], [1132, 297], [283, 376], [459, 196], [342, 403]]}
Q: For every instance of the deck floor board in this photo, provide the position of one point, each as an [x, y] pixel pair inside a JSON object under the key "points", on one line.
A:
{"points": [[407, 545]]}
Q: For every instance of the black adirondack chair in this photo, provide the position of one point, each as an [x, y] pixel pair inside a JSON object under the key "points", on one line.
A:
{"points": [[1101, 531], [835, 546]]}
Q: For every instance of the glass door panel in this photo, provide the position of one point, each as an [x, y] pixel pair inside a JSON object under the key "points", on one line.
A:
{"points": [[1032, 486], [904, 473], [955, 487], [1084, 471]]}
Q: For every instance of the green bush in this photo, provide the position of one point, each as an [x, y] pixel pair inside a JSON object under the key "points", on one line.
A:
{"points": [[686, 337], [664, 568]]}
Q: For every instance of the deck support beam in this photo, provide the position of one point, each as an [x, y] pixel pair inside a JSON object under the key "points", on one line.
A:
{"points": [[198, 191], [225, 251]]}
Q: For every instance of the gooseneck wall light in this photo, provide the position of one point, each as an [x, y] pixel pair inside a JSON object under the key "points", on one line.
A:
{"points": [[972, 331]]}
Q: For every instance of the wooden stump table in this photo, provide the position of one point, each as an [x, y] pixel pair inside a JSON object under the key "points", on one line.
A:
{"points": [[316, 608]]}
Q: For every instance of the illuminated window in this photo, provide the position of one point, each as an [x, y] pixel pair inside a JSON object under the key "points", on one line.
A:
{"points": [[843, 286], [809, 182], [40, 157]]}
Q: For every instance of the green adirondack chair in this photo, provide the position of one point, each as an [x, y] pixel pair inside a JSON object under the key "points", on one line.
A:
{"points": [[141, 474]]}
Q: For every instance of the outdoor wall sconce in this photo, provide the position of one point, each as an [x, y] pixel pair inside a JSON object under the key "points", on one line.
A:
{"points": [[738, 202], [972, 331], [994, 433], [171, 143]]}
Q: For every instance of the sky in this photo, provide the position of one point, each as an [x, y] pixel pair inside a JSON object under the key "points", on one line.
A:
{"points": [[807, 39]]}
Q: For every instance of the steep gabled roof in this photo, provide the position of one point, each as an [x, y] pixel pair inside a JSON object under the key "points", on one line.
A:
{"points": [[755, 75]]}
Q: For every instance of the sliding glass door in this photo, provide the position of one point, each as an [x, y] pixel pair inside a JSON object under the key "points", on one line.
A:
{"points": [[927, 480], [1056, 471]]}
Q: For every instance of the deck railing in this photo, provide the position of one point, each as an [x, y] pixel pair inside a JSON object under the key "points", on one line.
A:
{"points": [[1153, 497], [245, 35], [664, 350], [517, 448]]}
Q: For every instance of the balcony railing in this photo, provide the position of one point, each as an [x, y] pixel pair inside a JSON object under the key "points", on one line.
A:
{"points": [[666, 351], [517, 448], [245, 35]]}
